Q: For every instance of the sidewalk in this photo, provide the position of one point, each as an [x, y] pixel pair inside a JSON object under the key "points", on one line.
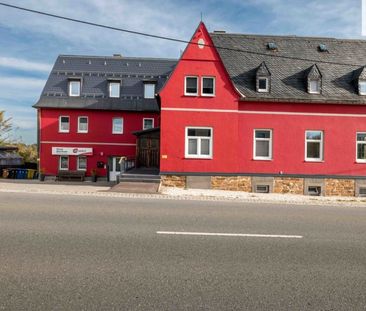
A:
{"points": [[103, 190]]}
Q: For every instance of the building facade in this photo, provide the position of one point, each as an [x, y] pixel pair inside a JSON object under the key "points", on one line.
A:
{"points": [[90, 107], [266, 114]]}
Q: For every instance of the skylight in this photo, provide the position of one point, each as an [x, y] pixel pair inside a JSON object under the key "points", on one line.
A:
{"points": [[323, 48], [271, 46]]}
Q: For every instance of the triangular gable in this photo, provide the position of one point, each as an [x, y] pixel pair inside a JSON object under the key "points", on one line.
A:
{"points": [[314, 72], [263, 70], [201, 47]]}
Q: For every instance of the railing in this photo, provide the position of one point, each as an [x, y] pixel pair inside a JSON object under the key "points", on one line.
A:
{"points": [[127, 163]]}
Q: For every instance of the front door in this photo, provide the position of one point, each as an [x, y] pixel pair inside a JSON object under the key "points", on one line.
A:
{"points": [[148, 152], [114, 168]]}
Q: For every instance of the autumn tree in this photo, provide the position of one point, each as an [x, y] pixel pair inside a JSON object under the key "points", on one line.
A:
{"points": [[5, 128]]}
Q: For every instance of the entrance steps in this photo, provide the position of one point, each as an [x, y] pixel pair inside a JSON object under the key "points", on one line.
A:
{"points": [[140, 178]]}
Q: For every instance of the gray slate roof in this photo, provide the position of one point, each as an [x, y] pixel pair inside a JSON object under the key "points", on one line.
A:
{"points": [[95, 72], [289, 76]]}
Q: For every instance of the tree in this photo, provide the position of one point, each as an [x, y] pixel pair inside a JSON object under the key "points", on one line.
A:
{"points": [[5, 128]]}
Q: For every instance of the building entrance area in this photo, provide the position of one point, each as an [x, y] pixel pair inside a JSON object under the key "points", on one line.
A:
{"points": [[148, 148], [114, 167]]}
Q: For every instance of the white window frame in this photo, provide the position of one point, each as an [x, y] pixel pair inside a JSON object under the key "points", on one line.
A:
{"points": [[266, 90], [115, 132], [59, 163], [87, 124], [60, 130], [74, 81], [78, 163], [321, 149], [154, 86], [214, 86], [318, 84], [143, 122], [262, 139], [185, 86], [198, 155], [359, 143], [110, 89], [359, 87]]}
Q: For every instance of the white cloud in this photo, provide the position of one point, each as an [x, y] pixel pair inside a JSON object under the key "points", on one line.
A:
{"points": [[24, 65], [20, 88]]}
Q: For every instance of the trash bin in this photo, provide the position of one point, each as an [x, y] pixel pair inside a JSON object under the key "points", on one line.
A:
{"points": [[12, 173], [5, 173], [30, 174]]}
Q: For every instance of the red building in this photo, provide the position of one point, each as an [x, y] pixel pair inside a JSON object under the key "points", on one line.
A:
{"points": [[266, 113], [90, 107]]}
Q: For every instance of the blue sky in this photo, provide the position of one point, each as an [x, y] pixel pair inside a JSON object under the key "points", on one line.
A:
{"points": [[29, 43]]}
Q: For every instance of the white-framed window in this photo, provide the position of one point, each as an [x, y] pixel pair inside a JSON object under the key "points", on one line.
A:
{"points": [[262, 149], [82, 124], [191, 86], [314, 146], [149, 90], [314, 86], [198, 142], [148, 123], [114, 89], [362, 87], [117, 126], [208, 86], [361, 147], [74, 87], [81, 163], [263, 85], [64, 124], [64, 163]]}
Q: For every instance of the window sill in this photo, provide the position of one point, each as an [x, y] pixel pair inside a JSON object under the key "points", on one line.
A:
{"points": [[360, 161], [191, 95], [260, 159], [82, 132], [197, 158], [62, 132], [208, 95], [314, 161], [117, 133]]}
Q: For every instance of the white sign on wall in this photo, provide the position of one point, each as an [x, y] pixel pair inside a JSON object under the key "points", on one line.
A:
{"points": [[72, 151]]}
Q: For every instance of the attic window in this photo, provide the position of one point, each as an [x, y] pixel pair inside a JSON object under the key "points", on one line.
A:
{"points": [[314, 86], [149, 90], [272, 46], [262, 85], [362, 87], [74, 87], [322, 48], [263, 78]]}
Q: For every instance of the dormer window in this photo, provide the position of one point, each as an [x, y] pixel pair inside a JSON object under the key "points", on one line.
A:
{"points": [[149, 90], [263, 78], [314, 86], [262, 85], [74, 87], [114, 89], [362, 87], [314, 80]]}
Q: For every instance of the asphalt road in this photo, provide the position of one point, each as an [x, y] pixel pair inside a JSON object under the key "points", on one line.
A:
{"points": [[62, 252]]}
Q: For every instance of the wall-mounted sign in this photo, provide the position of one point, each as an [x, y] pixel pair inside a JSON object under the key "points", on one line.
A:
{"points": [[72, 151]]}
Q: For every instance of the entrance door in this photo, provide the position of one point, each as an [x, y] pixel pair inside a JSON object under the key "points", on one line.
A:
{"points": [[148, 152], [114, 168]]}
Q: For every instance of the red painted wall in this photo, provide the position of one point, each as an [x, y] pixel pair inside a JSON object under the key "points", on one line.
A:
{"points": [[99, 131], [233, 129]]}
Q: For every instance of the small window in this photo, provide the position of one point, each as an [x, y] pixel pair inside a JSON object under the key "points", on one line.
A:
{"points": [[74, 88], [81, 163], [114, 89], [362, 87], [262, 189], [208, 86], [362, 192], [313, 145], [314, 190], [314, 86], [64, 124], [83, 125], [262, 144], [263, 85], [149, 90], [64, 163], [191, 86], [198, 143], [117, 126], [148, 123], [361, 147]]}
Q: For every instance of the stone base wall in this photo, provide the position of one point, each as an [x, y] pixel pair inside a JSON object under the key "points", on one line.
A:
{"points": [[173, 181], [340, 187], [235, 183], [288, 185]]}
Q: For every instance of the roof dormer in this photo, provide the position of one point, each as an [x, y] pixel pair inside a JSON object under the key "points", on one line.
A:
{"points": [[263, 79], [314, 80], [360, 80]]}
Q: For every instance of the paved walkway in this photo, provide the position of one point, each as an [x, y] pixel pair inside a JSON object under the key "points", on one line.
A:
{"points": [[104, 189]]}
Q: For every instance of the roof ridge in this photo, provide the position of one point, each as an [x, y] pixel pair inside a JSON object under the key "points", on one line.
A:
{"points": [[118, 57]]}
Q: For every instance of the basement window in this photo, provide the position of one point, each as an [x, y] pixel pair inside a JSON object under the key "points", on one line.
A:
{"points": [[362, 192], [314, 190], [262, 189]]}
